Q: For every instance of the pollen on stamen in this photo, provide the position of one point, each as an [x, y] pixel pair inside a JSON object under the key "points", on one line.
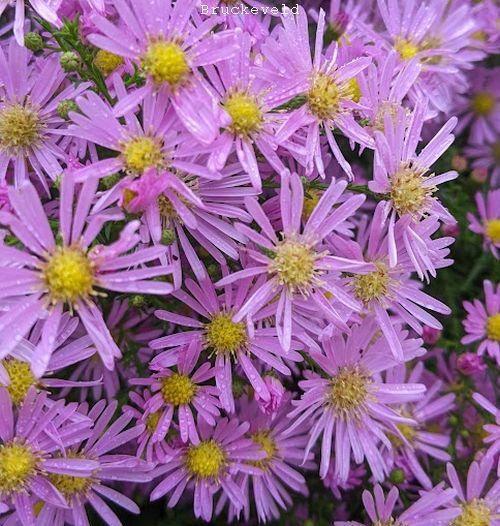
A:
{"points": [[17, 466], [294, 265], [224, 336], [21, 379], [374, 285], [206, 460], [178, 389], [20, 127], [140, 153], [325, 95], [166, 62], [408, 193], [69, 485], [348, 391], [492, 229], [69, 275], [493, 327], [268, 445], [406, 49], [107, 62], [474, 513], [246, 115]]}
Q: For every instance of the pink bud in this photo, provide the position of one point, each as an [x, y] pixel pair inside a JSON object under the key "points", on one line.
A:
{"points": [[430, 335], [270, 407], [479, 175], [470, 363], [452, 229]]}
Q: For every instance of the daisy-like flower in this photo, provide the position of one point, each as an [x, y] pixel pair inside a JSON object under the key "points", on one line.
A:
{"points": [[210, 467], [439, 36], [108, 467], [40, 280], [298, 265], [329, 90], [488, 223], [483, 322], [30, 93], [383, 86], [350, 405], [179, 205], [476, 506], [284, 454], [246, 100], [169, 43], [28, 438], [480, 107], [180, 391], [47, 9], [223, 333], [419, 441], [403, 176], [428, 509], [391, 289], [493, 430]]}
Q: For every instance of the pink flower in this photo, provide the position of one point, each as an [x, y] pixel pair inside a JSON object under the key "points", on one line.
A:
{"points": [[488, 224]]}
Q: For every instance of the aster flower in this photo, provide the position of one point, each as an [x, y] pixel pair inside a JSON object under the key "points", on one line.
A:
{"points": [[439, 36], [390, 289], [299, 265], [420, 443], [45, 277], [488, 223], [210, 467], [28, 438], [108, 467], [486, 156], [44, 8], [483, 322], [169, 48], [329, 90], [284, 454], [403, 176], [350, 405], [31, 92], [480, 107], [427, 510], [225, 336], [476, 505], [180, 391], [493, 430], [179, 205]]}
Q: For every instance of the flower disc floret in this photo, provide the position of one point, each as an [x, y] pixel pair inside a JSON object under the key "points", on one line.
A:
{"points": [[17, 466], [107, 62], [69, 275], [205, 460], [408, 193], [166, 62], [178, 389], [348, 390], [225, 336], [483, 103], [374, 285], [406, 49], [245, 113], [324, 97], [267, 444], [21, 379], [493, 327], [492, 228], [20, 127], [140, 153], [474, 513]]}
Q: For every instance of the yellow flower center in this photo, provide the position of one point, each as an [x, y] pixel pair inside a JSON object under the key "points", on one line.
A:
{"points": [[348, 390], [474, 513], [152, 422], [107, 62], [294, 265], [407, 431], [482, 103], [20, 127], [69, 275], [70, 486], [268, 445], [17, 465], [311, 199], [166, 62], [354, 89], [373, 285], [493, 230], [390, 522], [407, 192], [325, 95], [224, 335], [205, 460], [21, 379], [140, 153], [245, 113], [178, 389], [386, 108], [406, 49], [493, 327]]}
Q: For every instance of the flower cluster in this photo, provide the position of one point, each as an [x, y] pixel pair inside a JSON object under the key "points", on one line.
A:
{"points": [[226, 274]]}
